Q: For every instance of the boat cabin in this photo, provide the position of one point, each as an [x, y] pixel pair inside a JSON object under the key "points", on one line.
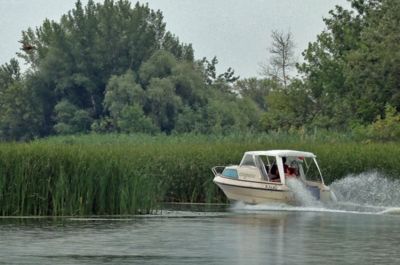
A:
{"points": [[276, 166]]}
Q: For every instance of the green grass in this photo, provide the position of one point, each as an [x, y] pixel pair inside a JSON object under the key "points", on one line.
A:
{"points": [[129, 174]]}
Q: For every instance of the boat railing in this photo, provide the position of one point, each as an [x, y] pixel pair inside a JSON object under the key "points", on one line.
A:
{"points": [[217, 170]]}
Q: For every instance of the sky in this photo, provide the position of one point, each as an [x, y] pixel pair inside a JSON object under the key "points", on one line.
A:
{"points": [[236, 31]]}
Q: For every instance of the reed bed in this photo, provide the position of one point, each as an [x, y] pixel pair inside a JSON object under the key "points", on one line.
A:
{"points": [[130, 174]]}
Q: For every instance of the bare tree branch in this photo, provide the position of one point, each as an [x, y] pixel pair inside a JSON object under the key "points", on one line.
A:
{"points": [[281, 60]]}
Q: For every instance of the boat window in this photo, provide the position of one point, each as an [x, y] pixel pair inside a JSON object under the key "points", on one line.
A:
{"points": [[273, 172], [230, 173], [263, 167], [310, 170], [248, 160]]}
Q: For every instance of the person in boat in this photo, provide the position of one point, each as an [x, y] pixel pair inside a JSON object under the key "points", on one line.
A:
{"points": [[275, 176], [274, 173], [285, 167], [289, 171]]}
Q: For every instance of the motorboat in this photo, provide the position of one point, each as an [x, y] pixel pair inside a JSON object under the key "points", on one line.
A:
{"points": [[264, 177]]}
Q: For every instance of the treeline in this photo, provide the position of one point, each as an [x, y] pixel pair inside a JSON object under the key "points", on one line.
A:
{"points": [[113, 67]]}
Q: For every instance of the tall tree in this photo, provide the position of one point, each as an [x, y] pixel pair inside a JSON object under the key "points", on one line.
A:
{"points": [[112, 66], [353, 68], [73, 59], [281, 60], [20, 111]]}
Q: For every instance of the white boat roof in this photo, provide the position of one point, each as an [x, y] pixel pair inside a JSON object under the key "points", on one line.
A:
{"points": [[281, 153]]}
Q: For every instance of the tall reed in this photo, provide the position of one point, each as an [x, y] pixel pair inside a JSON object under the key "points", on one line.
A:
{"points": [[121, 174]]}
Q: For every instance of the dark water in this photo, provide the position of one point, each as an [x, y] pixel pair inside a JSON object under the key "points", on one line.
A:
{"points": [[217, 236]]}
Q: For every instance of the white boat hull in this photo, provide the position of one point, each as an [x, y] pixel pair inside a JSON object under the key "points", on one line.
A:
{"points": [[254, 192], [259, 192]]}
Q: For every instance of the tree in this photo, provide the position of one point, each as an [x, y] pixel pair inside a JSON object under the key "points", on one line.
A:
{"points": [[189, 85], [387, 127], [353, 68], [189, 120], [163, 103], [159, 65], [256, 89], [210, 72], [73, 59], [374, 65], [124, 100], [324, 70], [181, 51], [122, 91], [70, 119], [20, 113], [9, 73], [133, 120], [281, 61], [112, 66], [287, 109]]}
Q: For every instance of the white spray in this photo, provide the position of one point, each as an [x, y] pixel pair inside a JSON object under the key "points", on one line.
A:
{"points": [[301, 193], [367, 193], [369, 189]]}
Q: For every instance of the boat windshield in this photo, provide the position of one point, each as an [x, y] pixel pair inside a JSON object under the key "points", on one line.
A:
{"points": [[311, 170], [305, 168], [269, 168]]}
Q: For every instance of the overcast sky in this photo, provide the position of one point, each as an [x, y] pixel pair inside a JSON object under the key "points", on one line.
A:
{"points": [[236, 31]]}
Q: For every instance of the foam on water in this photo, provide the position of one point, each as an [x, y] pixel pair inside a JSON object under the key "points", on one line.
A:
{"points": [[302, 194], [259, 208], [365, 193]]}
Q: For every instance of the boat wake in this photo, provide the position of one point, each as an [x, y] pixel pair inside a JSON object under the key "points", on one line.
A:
{"points": [[369, 188], [365, 193]]}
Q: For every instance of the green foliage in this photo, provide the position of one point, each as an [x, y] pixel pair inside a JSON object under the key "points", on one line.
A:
{"points": [[352, 68], [20, 113], [46, 179], [181, 51], [189, 120], [189, 85], [210, 72], [387, 128], [124, 100], [163, 104], [20, 118], [9, 73], [159, 65], [256, 90], [70, 119], [127, 174], [287, 108], [384, 128], [133, 120], [229, 115], [103, 125], [113, 67], [120, 92], [78, 58]]}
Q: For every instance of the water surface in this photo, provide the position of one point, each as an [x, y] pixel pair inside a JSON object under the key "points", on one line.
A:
{"points": [[223, 235]]}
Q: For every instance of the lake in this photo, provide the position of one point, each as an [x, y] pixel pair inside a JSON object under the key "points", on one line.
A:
{"points": [[206, 235]]}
